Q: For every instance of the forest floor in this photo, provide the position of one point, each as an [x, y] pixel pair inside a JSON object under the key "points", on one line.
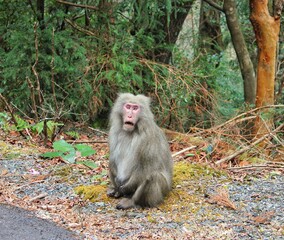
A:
{"points": [[207, 202]]}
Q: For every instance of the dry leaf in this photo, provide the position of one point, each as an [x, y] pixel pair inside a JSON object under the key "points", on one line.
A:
{"points": [[264, 217], [222, 198]]}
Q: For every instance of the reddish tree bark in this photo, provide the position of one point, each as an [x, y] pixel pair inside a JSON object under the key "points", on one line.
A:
{"points": [[266, 28]]}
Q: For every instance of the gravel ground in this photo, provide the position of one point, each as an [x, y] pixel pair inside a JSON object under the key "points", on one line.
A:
{"points": [[259, 210]]}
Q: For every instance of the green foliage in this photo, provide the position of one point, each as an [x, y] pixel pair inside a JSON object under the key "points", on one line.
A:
{"points": [[81, 65], [69, 152], [4, 118], [73, 134], [51, 127]]}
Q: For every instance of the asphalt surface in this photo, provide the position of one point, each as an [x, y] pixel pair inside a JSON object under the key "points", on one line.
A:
{"points": [[17, 223]]}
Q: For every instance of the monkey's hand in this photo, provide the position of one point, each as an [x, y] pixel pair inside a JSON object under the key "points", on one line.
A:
{"points": [[128, 188]]}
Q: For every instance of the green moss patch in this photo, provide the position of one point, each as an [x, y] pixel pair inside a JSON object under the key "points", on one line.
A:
{"points": [[93, 193], [189, 183], [184, 171]]}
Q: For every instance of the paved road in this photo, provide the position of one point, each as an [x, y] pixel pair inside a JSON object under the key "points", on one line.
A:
{"points": [[17, 223]]}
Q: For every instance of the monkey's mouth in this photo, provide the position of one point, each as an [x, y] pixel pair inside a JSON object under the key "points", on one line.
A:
{"points": [[128, 126], [129, 123]]}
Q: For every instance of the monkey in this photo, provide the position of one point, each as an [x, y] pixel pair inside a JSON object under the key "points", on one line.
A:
{"points": [[140, 161]]}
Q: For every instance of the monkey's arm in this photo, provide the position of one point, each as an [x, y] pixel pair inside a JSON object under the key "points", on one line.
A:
{"points": [[130, 185], [113, 190]]}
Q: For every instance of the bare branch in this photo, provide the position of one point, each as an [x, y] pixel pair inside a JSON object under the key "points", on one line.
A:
{"points": [[52, 71], [249, 146], [78, 5], [214, 5], [80, 29], [33, 98], [184, 150], [40, 100], [10, 109]]}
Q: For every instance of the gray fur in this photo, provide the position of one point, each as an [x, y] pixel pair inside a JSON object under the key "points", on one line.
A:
{"points": [[140, 161]]}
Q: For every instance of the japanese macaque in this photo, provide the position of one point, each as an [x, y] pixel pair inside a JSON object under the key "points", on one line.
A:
{"points": [[140, 162]]}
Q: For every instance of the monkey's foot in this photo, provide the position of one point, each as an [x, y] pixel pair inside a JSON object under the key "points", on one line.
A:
{"points": [[111, 192], [125, 203]]}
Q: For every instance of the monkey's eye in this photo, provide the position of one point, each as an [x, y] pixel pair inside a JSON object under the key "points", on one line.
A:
{"points": [[127, 106], [135, 108]]}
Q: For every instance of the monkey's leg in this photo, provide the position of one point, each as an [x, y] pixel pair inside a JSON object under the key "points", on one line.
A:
{"points": [[148, 194]]}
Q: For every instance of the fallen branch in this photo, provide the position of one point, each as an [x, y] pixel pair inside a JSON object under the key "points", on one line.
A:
{"points": [[42, 195], [182, 151], [249, 146], [245, 113], [235, 120], [95, 141], [99, 131], [28, 184], [257, 167]]}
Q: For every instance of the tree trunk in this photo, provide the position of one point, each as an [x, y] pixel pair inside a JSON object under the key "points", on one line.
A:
{"points": [[243, 56], [266, 30], [165, 33]]}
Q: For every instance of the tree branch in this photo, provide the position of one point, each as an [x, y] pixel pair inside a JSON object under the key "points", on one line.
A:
{"points": [[11, 112], [40, 99], [248, 147], [214, 5], [184, 150], [78, 5], [80, 29]]}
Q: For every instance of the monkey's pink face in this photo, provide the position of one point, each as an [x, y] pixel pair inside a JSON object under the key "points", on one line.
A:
{"points": [[130, 116]]}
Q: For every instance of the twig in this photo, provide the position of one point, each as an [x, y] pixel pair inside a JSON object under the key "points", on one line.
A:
{"points": [[96, 130], [250, 167], [249, 146], [235, 119], [184, 150], [80, 29], [52, 71], [11, 112], [248, 112], [215, 5], [30, 183], [31, 87], [40, 100], [95, 141], [42, 195], [78, 5]]}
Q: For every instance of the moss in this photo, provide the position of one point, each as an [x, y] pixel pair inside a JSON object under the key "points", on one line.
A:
{"points": [[252, 160], [188, 193], [9, 151], [63, 171], [94, 193], [184, 171], [151, 219], [66, 173]]}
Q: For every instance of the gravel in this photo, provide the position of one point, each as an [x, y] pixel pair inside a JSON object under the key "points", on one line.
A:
{"points": [[259, 213]]}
